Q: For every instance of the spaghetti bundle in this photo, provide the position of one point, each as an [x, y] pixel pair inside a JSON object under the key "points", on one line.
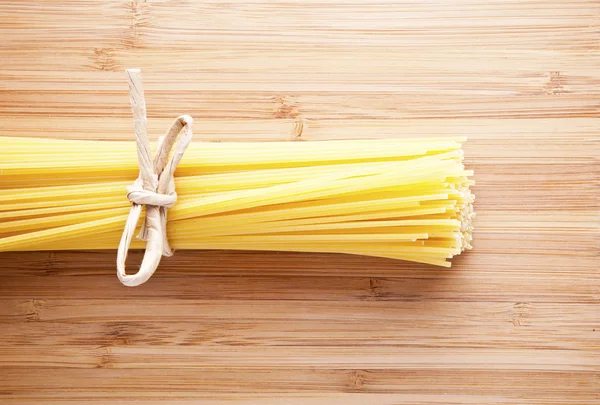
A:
{"points": [[404, 199]]}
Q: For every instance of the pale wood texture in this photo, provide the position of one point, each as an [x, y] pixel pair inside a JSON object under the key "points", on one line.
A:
{"points": [[513, 322]]}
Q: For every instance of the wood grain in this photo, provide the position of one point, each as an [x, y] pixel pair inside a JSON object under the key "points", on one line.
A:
{"points": [[515, 321]]}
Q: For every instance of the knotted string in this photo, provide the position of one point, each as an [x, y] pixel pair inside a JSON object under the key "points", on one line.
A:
{"points": [[154, 188]]}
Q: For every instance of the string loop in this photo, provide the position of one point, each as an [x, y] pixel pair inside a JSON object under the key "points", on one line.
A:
{"points": [[154, 187]]}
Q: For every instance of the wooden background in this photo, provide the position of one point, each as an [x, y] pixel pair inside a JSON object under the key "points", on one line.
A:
{"points": [[515, 321]]}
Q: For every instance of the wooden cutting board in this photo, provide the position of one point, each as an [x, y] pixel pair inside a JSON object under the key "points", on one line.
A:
{"points": [[515, 321]]}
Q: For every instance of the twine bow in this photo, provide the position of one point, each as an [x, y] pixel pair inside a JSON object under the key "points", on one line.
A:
{"points": [[154, 188]]}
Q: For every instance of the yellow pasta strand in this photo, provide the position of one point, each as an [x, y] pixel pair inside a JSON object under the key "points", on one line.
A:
{"points": [[406, 199]]}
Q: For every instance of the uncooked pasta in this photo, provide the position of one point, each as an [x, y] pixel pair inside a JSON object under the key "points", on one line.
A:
{"points": [[406, 199]]}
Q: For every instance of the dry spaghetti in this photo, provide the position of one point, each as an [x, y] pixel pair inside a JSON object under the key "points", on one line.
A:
{"points": [[406, 199]]}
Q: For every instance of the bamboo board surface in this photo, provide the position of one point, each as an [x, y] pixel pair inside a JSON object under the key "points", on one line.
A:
{"points": [[515, 321]]}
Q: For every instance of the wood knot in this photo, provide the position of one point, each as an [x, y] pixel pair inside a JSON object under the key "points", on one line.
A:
{"points": [[33, 310], [375, 286], [356, 380], [104, 59], [118, 335], [520, 313], [105, 359], [555, 84], [286, 108], [139, 19]]}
